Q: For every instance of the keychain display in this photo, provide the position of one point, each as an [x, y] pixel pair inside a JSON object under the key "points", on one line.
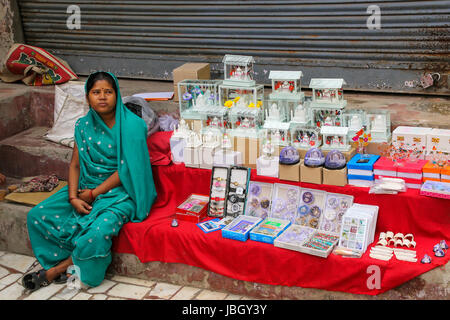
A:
{"points": [[285, 201], [320, 244], [310, 208], [259, 197], [218, 191], [336, 206], [240, 227], [237, 191], [354, 233], [293, 237]]}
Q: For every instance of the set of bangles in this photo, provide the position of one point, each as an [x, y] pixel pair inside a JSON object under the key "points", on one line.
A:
{"points": [[398, 240]]}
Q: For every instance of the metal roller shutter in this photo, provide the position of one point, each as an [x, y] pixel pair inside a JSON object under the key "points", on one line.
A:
{"points": [[148, 39]]}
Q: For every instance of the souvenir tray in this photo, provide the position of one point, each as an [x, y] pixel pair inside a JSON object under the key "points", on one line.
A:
{"points": [[210, 225], [335, 207], [320, 243], [259, 199], [285, 200], [240, 227], [218, 191], [193, 209], [354, 233], [269, 229], [293, 237], [310, 208], [237, 191]]}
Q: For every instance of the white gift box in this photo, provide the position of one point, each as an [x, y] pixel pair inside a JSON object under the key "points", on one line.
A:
{"points": [[439, 138], [411, 137], [207, 156], [268, 167], [177, 145], [227, 158], [192, 156]]}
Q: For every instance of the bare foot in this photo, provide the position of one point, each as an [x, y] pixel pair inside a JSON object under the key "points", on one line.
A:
{"points": [[2, 179]]}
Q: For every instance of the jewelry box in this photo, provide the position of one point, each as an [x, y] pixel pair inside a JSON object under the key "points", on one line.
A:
{"points": [[193, 209], [269, 229], [336, 206], [237, 187], [210, 225], [307, 240], [240, 227], [285, 201], [218, 191], [259, 199], [310, 208]]}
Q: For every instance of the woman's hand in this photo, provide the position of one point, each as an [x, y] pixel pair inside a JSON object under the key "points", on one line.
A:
{"points": [[86, 195], [81, 206]]}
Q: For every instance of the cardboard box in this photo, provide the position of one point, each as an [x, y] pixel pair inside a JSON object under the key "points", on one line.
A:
{"points": [[194, 125], [385, 167], [192, 157], [445, 174], [290, 172], [192, 71], [227, 158], [377, 148], [411, 170], [310, 175], [335, 177], [431, 172], [249, 148]]}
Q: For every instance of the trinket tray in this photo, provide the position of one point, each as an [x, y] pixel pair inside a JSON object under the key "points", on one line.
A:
{"points": [[335, 207], [310, 208], [218, 191], [354, 233], [237, 187], [293, 237], [307, 240], [259, 199], [436, 189], [240, 227], [269, 229], [285, 200], [210, 225], [320, 244], [193, 209]]}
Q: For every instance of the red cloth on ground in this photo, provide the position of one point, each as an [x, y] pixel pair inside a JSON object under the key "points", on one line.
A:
{"points": [[428, 219]]}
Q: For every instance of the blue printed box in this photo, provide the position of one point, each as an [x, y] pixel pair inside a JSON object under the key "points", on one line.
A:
{"points": [[269, 229], [240, 228]]}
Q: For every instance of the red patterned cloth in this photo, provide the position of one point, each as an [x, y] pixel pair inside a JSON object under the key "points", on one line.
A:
{"points": [[35, 67], [428, 219]]}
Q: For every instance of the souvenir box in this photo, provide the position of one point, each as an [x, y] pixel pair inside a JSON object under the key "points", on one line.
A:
{"points": [[285, 200], [438, 140], [268, 167], [259, 199], [197, 96], [360, 170], [286, 85], [385, 167], [227, 158], [307, 240], [269, 229], [218, 191], [436, 189], [289, 172], [238, 70], [411, 169], [237, 188], [445, 174], [210, 225], [193, 209], [240, 228], [367, 211], [411, 138], [431, 171]]}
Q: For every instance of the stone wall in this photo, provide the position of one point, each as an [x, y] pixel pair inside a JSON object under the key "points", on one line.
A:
{"points": [[10, 27]]}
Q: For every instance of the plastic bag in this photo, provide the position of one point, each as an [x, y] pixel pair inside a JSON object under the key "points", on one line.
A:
{"points": [[142, 109], [388, 186]]}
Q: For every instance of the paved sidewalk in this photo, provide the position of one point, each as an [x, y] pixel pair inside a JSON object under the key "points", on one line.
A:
{"points": [[14, 266]]}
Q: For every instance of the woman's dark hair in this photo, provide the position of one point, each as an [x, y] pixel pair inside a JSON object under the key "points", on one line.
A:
{"points": [[93, 78]]}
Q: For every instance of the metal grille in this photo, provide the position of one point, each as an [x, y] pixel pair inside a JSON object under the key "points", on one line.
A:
{"points": [[148, 39]]}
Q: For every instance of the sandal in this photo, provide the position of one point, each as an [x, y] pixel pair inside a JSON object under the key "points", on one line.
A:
{"points": [[61, 279], [35, 280]]}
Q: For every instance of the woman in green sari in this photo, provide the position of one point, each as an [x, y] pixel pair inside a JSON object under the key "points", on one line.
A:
{"points": [[110, 183]]}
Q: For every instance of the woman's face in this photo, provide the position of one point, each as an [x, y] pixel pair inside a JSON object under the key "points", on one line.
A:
{"points": [[102, 98]]}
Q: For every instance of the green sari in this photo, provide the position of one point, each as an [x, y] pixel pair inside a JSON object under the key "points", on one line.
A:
{"points": [[57, 231]]}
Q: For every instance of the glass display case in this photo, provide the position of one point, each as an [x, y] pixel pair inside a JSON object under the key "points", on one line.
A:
{"points": [[197, 97], [238, 70], [335, 138], [379, 122], [286, 85], [305, 137], [327, 93]]}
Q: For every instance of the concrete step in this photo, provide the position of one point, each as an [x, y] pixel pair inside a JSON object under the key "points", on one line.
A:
{"points": [[28, 154], [14, 238]]}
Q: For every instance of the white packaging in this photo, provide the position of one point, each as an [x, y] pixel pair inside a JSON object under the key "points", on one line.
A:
{"points": [[268, 167]]}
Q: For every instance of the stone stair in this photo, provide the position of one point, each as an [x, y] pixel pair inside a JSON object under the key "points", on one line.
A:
{"points": [[26, 114]]}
